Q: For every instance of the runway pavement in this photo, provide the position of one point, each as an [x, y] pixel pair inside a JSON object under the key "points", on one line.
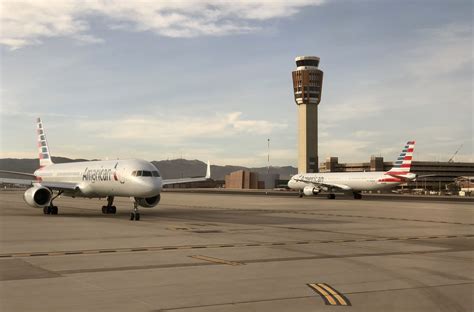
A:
{"points": [[222, 252]]}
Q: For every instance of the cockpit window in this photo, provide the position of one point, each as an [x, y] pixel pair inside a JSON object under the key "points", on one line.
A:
{"points": [[145, 173]]}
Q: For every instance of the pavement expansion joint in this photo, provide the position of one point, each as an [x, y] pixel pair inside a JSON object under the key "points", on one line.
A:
{"points": [[235, 245], [216, 260]]}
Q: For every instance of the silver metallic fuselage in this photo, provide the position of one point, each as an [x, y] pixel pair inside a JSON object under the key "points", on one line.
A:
{"points": [[356, 181], [104, 178]]}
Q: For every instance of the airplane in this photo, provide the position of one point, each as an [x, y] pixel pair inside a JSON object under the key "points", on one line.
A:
{"points": [[134, 178], [310, 184]]}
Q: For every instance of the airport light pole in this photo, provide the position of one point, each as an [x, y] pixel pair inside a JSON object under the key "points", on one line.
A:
{"points": [[268, 156]]}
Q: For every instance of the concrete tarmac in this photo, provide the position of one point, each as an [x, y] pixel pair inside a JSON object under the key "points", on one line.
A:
{"points": [[202, 252]]}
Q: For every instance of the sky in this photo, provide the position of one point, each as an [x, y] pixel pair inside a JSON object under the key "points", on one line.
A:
{"points": [[212, 79]]}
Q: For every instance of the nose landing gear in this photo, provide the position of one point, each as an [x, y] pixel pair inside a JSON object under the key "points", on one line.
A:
{"points": [[135, 215], [109, 209]]}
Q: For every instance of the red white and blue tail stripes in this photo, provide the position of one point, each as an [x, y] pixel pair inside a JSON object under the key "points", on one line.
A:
{"points": [[43, 149], [403, 163]]}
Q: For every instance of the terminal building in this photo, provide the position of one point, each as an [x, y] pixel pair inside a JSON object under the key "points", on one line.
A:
{"points": [[245, 179]]}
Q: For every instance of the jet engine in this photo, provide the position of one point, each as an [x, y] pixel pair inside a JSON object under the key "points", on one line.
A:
{"points": [[38, 196], [148, 202], [310, 190]]}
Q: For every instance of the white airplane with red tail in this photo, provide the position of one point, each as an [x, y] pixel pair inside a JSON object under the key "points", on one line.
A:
{"points": [[313, 183]]}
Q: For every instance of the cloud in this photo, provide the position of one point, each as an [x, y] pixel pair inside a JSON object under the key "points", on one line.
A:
{"points": [[27, 22], [176, 129], [355, 108], [346, 149], [427, 97], [443, 51]]}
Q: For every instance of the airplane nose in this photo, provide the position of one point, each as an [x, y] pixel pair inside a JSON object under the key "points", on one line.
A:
{"points": [[291, 183], [154, 185], [151, 187]]}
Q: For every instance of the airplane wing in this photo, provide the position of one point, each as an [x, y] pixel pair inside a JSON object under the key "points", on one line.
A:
{"points": [[186, 180], [17, 181], [60, 186], [18, 173], [326, 185]]}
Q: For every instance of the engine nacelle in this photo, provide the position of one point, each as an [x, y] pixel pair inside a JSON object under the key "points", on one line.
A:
{"points": [[38, 196], [310, 191], [148, 202]]}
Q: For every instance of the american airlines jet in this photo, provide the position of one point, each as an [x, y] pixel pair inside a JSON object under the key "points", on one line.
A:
{"points": [[313, 183], [134, 178]]}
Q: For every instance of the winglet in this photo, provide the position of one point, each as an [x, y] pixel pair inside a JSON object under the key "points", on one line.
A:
{"points": [[208, 171]]}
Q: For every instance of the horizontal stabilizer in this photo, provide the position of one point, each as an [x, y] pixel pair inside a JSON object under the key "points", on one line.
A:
{"points": [[403, 176]]}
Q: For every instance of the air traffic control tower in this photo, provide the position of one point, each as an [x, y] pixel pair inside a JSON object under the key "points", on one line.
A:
{"points": [[307, 86]]}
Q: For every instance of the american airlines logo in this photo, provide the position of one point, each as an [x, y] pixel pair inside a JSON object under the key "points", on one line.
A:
{"points": [[312, 179], [97, 175]]}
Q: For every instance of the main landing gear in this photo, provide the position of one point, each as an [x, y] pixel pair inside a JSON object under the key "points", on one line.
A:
{"points": [[109, 209], [331, 196], [357, 195], [51, 209], [135, 215]]}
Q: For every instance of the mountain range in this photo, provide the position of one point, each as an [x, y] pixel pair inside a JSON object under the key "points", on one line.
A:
{"points": [[170, 169]]}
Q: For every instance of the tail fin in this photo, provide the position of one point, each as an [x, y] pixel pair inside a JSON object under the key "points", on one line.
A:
{"points": [[403, 163], [43, 149]]}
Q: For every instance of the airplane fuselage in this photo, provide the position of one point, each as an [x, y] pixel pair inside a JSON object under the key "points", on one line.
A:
{"points": [[360, 181], [127, 178]]}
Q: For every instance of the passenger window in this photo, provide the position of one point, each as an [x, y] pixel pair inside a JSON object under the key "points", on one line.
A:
{"points": [[139, 173], [147, 173]]}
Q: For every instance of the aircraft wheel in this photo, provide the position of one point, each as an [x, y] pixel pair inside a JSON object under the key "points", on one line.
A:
{"points": [[137, 216], [357, 196], [104, 209], [46, 210], [132, 216], [332, 196], [54, 210], [112, 209]]}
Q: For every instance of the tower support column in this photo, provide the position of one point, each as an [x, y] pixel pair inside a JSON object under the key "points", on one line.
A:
{"points": [[308, 138]]}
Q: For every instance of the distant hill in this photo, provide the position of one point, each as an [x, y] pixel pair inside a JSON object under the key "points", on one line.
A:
{"points": [[28, 165], [170, 169]]}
